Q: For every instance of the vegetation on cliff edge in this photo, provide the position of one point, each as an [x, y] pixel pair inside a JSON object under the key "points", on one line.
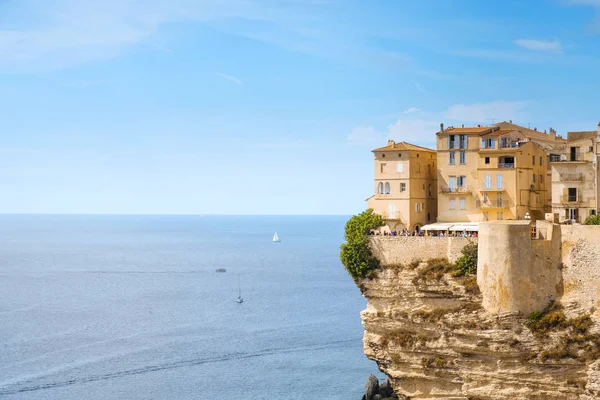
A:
{"points": [[356, 254], [592, 220]]}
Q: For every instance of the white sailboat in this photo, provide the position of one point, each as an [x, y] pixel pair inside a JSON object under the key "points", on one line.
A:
{"points": [[239, 298], [276, 238]]}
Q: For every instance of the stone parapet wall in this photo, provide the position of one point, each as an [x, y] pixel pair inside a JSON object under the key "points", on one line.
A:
{"points": [[580, 255], [396, 250]]}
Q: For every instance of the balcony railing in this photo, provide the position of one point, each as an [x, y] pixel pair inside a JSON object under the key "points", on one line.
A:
{"points": [[506, 165], [509, 145], [491, 204], [569, 157], [456, 189], [492, 188], [571, 177], [566, 198]]}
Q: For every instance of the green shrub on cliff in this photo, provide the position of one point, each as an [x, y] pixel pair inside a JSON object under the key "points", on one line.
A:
{"points": [[356, 255], [467, 263], [592, 220]]}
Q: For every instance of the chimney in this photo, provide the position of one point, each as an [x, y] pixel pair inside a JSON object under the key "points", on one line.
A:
{"points": [[463, 125], [510, 121], [391, 143], [535, 129], [478, 125], [442, 127], [552, 133]]}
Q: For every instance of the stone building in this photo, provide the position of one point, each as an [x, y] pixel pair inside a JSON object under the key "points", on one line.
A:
{"points": [[405, 185], [575, 177], [497, 172]]}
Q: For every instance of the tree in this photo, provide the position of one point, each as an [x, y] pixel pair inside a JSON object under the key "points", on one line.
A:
{"points": [[592, 220], [356, 254]]}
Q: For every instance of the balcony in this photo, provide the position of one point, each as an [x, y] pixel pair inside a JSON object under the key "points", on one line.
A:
{"points": [[455, 190], [506, 165], [490, 205], [571, 177], [490, 188], [571, 199], [569, 157]]}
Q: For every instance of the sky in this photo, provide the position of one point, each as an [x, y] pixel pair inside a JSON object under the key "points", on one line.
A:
{"points": [[267, 106]]}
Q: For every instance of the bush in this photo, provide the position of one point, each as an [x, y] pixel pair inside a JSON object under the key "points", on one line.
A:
{"points": [[592, 220], [467, 263], [356, 255]]}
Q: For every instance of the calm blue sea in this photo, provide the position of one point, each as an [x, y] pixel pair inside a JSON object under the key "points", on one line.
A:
{"points": [[130, 307]]}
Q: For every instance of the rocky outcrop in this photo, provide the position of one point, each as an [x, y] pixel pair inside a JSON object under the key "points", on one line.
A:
{"points": [[429, 334]]}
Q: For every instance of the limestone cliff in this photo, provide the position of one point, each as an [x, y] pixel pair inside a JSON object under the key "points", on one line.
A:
{"points": [[429, 333]]}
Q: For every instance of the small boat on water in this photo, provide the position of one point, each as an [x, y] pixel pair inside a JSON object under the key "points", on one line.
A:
{"points": [[239, 299], [276, 238], [220, 270]]}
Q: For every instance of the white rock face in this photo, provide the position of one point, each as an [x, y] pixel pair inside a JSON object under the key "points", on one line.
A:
{"points": [[434, 341]]}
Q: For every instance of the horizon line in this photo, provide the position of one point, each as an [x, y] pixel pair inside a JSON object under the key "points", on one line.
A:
{"points": [[182, 215]]}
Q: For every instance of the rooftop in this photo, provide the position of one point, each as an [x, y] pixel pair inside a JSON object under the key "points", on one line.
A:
{"points": [[573, 136], [402, 146]]}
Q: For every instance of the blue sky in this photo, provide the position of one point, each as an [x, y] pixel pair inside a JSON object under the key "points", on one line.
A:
{"points": [[265, 106]]}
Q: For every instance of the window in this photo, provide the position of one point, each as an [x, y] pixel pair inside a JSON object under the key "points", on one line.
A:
{"points": [[499, 181], [380, 188], [534, 178], [403, 187], [541, 178], [452, 204], [488, 181], [463, 204], [418, 207], [383, 167], [452, 154], [463, 141], [592, 212], [488, 143], [572, 194], [452, 183], [387, 188], [452, 142], [487, 160], [499, 215], [591, 149], [486, 216], [541, 160], [430, 190], [485, 198], [461, 181], [400, 167], [428, 217], [418, 168], [533, 159], [462, 157]]}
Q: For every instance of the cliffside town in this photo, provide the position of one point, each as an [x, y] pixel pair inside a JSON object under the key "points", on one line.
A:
{"points": [[527, 325]]}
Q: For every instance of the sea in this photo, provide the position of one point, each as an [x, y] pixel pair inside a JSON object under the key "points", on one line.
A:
{"points": [[131, 307]]}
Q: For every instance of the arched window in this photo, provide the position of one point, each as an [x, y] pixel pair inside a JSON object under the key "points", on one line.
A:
{"points": [[380, 188], [387, 188]]}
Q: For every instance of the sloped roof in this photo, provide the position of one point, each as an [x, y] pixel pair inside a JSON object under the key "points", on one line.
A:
{"points": [[573, 136], [471, 129], [498, 132], [529, 133], [402, 146]]}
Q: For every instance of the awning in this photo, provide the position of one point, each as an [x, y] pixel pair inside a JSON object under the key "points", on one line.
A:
{"points": [[462, 228], [435, 227]]}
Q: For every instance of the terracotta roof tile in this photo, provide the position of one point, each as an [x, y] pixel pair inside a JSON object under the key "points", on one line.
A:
{"points": [[402, 146]]}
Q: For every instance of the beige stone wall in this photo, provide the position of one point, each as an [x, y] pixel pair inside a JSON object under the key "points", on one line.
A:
{"points": [[395, 250], [581, 265]]}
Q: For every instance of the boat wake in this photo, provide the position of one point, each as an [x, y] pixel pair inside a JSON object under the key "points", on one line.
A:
{"points": [[19, 388]]}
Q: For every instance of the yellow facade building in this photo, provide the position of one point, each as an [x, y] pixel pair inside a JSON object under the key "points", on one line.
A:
{"points": [[575, 177], [498, 172], [405, 185]]}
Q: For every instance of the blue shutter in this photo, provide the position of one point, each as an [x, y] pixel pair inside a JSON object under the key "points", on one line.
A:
{"points": [[499, 181], [488, 181]]}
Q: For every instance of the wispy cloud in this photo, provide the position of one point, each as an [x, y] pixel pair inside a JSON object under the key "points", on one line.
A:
{"points": [[420, 88], [230, 78], [411, 110], [539, 45]]}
